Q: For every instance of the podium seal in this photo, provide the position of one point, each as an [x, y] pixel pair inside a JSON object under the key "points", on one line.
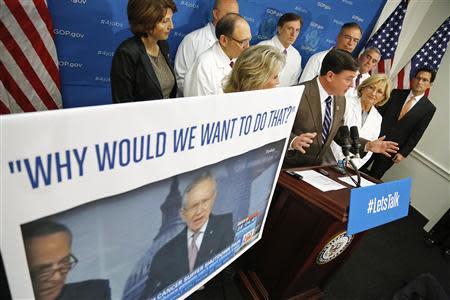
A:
{"points": [[334, 248]]}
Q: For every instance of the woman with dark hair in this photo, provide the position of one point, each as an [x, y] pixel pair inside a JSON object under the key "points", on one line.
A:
{"points": [[140, 67]]}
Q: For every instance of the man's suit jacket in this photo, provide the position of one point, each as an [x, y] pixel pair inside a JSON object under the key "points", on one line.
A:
{"points": [[309, 119], [132, 75], [171, 263], [406, 132], [97, 289]]}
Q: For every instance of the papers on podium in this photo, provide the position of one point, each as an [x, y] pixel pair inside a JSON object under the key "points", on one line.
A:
{"points": [[320, 181]]}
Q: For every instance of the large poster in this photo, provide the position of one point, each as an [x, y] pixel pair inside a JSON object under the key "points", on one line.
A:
{"points": [[139, 200]]}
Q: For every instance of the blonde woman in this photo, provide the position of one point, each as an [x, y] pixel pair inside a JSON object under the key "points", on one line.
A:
{"points": [[374, 91], [258, 67]]}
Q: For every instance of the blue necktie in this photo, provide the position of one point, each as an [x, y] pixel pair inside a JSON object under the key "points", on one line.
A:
{"points": [[327, 120]]}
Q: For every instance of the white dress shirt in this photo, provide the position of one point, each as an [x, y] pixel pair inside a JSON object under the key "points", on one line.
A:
{"points": [[312, 68], [352, 92], [293, 67], [370, 130], [352, 102], [206, 75], [323, 104], [190, 48]]}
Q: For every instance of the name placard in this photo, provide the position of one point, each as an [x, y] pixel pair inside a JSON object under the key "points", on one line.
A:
{"points": [[379, 204]]}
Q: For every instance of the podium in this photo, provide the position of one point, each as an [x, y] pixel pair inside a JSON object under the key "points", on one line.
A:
{"points": [[303, 243]]}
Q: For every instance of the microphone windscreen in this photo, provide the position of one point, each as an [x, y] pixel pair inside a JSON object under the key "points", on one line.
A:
{"points": [[354, 134], [342, 135]]}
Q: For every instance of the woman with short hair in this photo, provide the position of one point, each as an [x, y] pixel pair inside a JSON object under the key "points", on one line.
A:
{"points": [[372, 92], [258, 67], [140, 67]]}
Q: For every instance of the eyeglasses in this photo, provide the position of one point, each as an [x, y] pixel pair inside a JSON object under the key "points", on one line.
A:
{"points": [[46, 272], [350, 38], [242, 43]]}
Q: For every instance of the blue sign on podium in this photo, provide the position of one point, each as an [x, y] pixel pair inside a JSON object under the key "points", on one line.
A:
{"points": [[378, 204]]}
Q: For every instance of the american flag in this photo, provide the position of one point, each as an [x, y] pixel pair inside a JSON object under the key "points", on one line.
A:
{"points": [[28, 61], [386, 38], [430, 55]]}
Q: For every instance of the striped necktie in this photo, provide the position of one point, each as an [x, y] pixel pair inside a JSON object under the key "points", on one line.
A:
{"points": [[326, 120], [193, 251]]}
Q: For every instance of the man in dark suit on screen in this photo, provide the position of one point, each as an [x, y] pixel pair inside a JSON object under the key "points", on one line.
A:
{"points": [[321, 113], [204, 236], [48, 246], [405, 118]]}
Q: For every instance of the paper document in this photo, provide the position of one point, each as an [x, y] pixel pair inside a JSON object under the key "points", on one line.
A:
{"points": [[364, 182], [320, 181]]}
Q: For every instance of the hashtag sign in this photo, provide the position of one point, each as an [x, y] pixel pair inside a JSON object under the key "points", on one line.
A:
{"points": [[370, 206]]}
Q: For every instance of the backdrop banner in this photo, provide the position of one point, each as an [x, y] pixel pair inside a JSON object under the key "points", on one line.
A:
{"points": [[138, 200], [88, 32]]}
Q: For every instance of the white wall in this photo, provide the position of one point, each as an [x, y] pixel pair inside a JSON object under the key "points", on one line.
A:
{"points": [[429, 164]]}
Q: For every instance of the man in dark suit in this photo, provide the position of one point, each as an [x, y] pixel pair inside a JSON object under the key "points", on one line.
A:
{"points": [[405, 118], [48, 248], [204, 236], [321, 113]]}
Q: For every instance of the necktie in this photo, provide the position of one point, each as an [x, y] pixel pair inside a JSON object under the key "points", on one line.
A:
{"points": [[406, 107], [358, 79], [192, 251], [285, 52], [326, 120], [231, 64]]}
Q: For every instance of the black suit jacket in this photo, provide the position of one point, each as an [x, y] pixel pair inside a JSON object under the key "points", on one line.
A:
{"points": [[171, 263], [132, 75], [87, 290], [408, 130]]}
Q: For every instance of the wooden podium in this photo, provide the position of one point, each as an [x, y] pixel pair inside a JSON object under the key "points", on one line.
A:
{"points": [[303, 243]]}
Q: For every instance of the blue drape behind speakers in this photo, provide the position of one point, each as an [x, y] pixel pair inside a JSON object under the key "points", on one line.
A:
{"points": [[88, 32]]}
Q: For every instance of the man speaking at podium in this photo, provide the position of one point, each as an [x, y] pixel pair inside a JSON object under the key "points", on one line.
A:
{"points": [[321, 113]]}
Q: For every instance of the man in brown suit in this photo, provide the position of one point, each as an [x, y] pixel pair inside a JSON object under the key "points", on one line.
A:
{"points": [[321, 113]]}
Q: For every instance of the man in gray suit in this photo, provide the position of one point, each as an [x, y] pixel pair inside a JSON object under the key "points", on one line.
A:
{"points": [[321, 113]]}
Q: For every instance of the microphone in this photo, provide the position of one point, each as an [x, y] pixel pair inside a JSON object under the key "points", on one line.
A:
{"points": [[354, 134], [342, 139]]}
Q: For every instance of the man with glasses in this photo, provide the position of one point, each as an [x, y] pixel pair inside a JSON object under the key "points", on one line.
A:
{"points": [[212, 66], [204, 236], [347, 40], [48, 249], [198, 41]]}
